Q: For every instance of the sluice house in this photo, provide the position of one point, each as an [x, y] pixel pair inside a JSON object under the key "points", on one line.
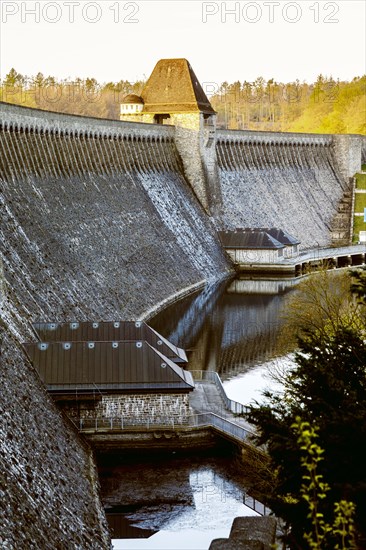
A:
{"points": [[122, 372]]}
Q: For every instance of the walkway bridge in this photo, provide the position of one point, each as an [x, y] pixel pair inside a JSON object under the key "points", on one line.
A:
{"points": [[213, 413], [312, 260]]}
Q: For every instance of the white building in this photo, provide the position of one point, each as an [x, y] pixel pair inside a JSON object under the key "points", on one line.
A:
{"points": [[261, 246]]}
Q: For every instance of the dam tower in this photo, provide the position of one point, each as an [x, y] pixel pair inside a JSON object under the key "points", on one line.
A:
{"points": [[173, 96]]}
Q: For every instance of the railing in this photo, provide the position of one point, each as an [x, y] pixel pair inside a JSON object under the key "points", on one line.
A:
{"points": [[211, 376], [255, 505], [210, 420], [122, 423], [228, 427]]}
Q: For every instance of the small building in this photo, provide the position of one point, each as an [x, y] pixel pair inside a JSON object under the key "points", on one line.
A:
{"points": [[292, 244], [255, 247], [130, 381], [132, 105], [109, 331], [173, 95]]}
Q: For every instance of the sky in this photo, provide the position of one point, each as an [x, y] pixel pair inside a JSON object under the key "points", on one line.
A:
{"points": [[112, 40]]}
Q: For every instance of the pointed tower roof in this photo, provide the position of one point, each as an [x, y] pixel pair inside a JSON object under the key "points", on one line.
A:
{"points": [[174, 88]]}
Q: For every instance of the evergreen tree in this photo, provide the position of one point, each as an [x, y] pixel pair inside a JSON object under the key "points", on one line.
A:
{"points": [[326, 388]]}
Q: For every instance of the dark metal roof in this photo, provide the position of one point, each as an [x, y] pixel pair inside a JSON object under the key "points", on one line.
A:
{"points": [[174, 88], [133, 98], [281, 236], [108, 331], [108, 366], [249, 239]]}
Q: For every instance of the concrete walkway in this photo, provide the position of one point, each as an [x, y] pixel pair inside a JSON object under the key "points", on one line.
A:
{"points": [[206, 398], [323, 253]]}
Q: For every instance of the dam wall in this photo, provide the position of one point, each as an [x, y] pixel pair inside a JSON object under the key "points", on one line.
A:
{"points": [[301, 183], [97, 222], [363, 149], [103, 217]]}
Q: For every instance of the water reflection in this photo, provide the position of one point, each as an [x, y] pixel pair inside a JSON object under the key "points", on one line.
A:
{"points": [[183, 503], [230, 326], [198, 496]]}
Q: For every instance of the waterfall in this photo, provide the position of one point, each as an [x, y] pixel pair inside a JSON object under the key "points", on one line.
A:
{"points": [[99, 226], [290, 184]]}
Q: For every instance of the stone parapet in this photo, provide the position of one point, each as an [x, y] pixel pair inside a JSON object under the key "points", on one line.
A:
{"points": [[249, 136], [248, 533], [21, 118]]}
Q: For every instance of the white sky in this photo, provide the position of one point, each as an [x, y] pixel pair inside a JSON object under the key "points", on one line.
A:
{"points": [[280, 39]]}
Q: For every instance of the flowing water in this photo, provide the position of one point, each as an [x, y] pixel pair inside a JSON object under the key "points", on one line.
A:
{"points": [[99, 227], [295, 186], [185, 501]]}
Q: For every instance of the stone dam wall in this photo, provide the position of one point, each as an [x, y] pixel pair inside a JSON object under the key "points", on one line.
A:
{"points": [[97, 222], [299, 182]]}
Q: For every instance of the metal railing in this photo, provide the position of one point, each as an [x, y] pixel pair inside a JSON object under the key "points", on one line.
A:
{"points": [[213, 377], [119, 423], [228, 427], [256, 505]]}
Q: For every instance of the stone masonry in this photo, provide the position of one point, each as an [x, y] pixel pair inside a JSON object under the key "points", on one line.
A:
{"points": [[96, 223], [142, 408], [99, 221]]}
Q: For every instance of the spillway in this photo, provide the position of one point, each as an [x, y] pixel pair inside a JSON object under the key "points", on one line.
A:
{"points": [[99, 226], [284, 181]]}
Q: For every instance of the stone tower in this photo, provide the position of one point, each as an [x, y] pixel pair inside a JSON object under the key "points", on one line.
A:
{"points": [[173, 95]]}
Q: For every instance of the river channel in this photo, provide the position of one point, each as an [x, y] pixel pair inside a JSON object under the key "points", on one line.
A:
{"points": [[177, 501]]}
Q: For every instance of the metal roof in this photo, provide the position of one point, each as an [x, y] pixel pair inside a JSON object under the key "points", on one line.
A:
{"points": [[107, 366], [108, 331], [281, 236], [249, 239]]}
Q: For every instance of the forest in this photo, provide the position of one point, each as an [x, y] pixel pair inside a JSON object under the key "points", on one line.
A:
{"points": [[324, 106]]}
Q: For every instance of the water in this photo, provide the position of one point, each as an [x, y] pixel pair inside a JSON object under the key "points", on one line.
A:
{"points": [[230, 327], [182, 502]]}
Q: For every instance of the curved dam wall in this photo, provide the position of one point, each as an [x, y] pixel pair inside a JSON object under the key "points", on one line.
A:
{"points": [[299, 182], [98, 219], [97, 222]]}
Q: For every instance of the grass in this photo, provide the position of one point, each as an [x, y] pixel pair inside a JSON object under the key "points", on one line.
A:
{"points": [[358, 225], [363, 167], [360, 202], [361, 181]]}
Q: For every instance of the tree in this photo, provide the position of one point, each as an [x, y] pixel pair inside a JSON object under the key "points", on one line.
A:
{"points": [[326, 388], [314, 489], [358, 285], [322, 303], [13, 78]]}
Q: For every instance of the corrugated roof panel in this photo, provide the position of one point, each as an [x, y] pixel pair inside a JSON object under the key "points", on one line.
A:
{"points": [[282, 236], [83, 365], [106, 331], [249, 239]]}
